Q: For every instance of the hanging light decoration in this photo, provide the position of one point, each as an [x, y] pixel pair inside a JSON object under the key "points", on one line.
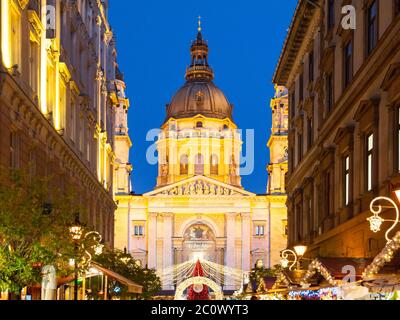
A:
{"points": [[284, 263], [285, 259], [375, 223], [376, 220], [393, 245]]}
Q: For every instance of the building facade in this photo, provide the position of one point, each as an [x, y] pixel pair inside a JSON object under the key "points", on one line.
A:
{"points": [[60, 94], [343, 123], [199, 208]]}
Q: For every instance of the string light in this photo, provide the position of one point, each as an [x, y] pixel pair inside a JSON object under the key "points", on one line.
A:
{"points": [[385, 256], [218, 273], [376, 221], [392, 246], [314, 267]]}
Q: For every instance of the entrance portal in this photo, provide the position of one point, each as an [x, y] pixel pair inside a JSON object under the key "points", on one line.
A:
{"points": [[199, 243]]}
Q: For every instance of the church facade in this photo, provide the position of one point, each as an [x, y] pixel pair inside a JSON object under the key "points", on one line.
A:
{"points": [[199, 209]]}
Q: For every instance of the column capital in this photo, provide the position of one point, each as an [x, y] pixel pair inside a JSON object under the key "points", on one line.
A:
{"points": [[167, 215], [245, 215], [153, 215], [231, 215]]}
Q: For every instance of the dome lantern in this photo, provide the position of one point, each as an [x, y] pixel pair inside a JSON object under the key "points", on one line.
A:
{"points": [[199, 95], [199, 67]]}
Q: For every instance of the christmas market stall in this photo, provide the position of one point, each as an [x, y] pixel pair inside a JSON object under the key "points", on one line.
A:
{"points": [[257, 289], [337, 278], [288, 282], [382, 276]]}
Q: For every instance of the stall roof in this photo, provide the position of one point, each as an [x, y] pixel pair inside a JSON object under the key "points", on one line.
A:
{"points": [[338, 267], [384, 284], [132, 286]]}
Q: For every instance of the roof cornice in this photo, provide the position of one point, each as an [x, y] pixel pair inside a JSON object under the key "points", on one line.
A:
{"points": [[297, 31]]}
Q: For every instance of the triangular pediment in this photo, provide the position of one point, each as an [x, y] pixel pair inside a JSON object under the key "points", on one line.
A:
{"points": [[200, 186]]}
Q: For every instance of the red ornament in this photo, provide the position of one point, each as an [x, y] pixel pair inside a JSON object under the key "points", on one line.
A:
{"points": [[198, 291]]}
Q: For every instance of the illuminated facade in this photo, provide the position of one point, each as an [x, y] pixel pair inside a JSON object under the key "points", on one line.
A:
{"points": [[344, 138], [199, 208], [60, 91]]}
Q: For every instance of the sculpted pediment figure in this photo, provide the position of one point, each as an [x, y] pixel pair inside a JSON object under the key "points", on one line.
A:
{"points": [[199, 186]]}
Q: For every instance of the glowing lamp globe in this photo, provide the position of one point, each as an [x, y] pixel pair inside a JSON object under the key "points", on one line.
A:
{"points": [[300, 250], [397, 192], [284, 263], [98, 250], [375, 223]]}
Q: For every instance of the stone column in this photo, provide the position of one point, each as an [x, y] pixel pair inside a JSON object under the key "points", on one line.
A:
{"points": [[167, 248], [168, 254], [230, 257], [177, 261], [246, 239], [152, 241]]}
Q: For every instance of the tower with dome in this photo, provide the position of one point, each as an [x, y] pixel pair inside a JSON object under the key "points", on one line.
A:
{"points": [[199, 207]]}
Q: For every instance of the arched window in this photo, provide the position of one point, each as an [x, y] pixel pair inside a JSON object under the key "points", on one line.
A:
{"points": [[214, 164], [199, 124], [233, 166], [184, 164], [199, 164]]}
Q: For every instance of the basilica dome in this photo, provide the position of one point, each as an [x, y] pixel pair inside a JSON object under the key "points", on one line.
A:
{"points": [[199, 95]]}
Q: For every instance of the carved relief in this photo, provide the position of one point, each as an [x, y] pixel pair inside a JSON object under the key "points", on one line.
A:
{"points": [[199, 233], [199, 188]]}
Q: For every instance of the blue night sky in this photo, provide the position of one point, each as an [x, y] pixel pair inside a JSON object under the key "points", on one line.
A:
{"points": [[245, 40]]}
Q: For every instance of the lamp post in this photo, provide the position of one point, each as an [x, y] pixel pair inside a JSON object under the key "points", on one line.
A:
{"points": [[76, 231], [76, 234], [376, 220], [300, 251], [298, 254]]}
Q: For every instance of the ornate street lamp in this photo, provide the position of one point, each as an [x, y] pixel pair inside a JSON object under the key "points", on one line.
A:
{"points": [[97, 247], [76, 235], [298, 254], [76, 232], [376, 221]]}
